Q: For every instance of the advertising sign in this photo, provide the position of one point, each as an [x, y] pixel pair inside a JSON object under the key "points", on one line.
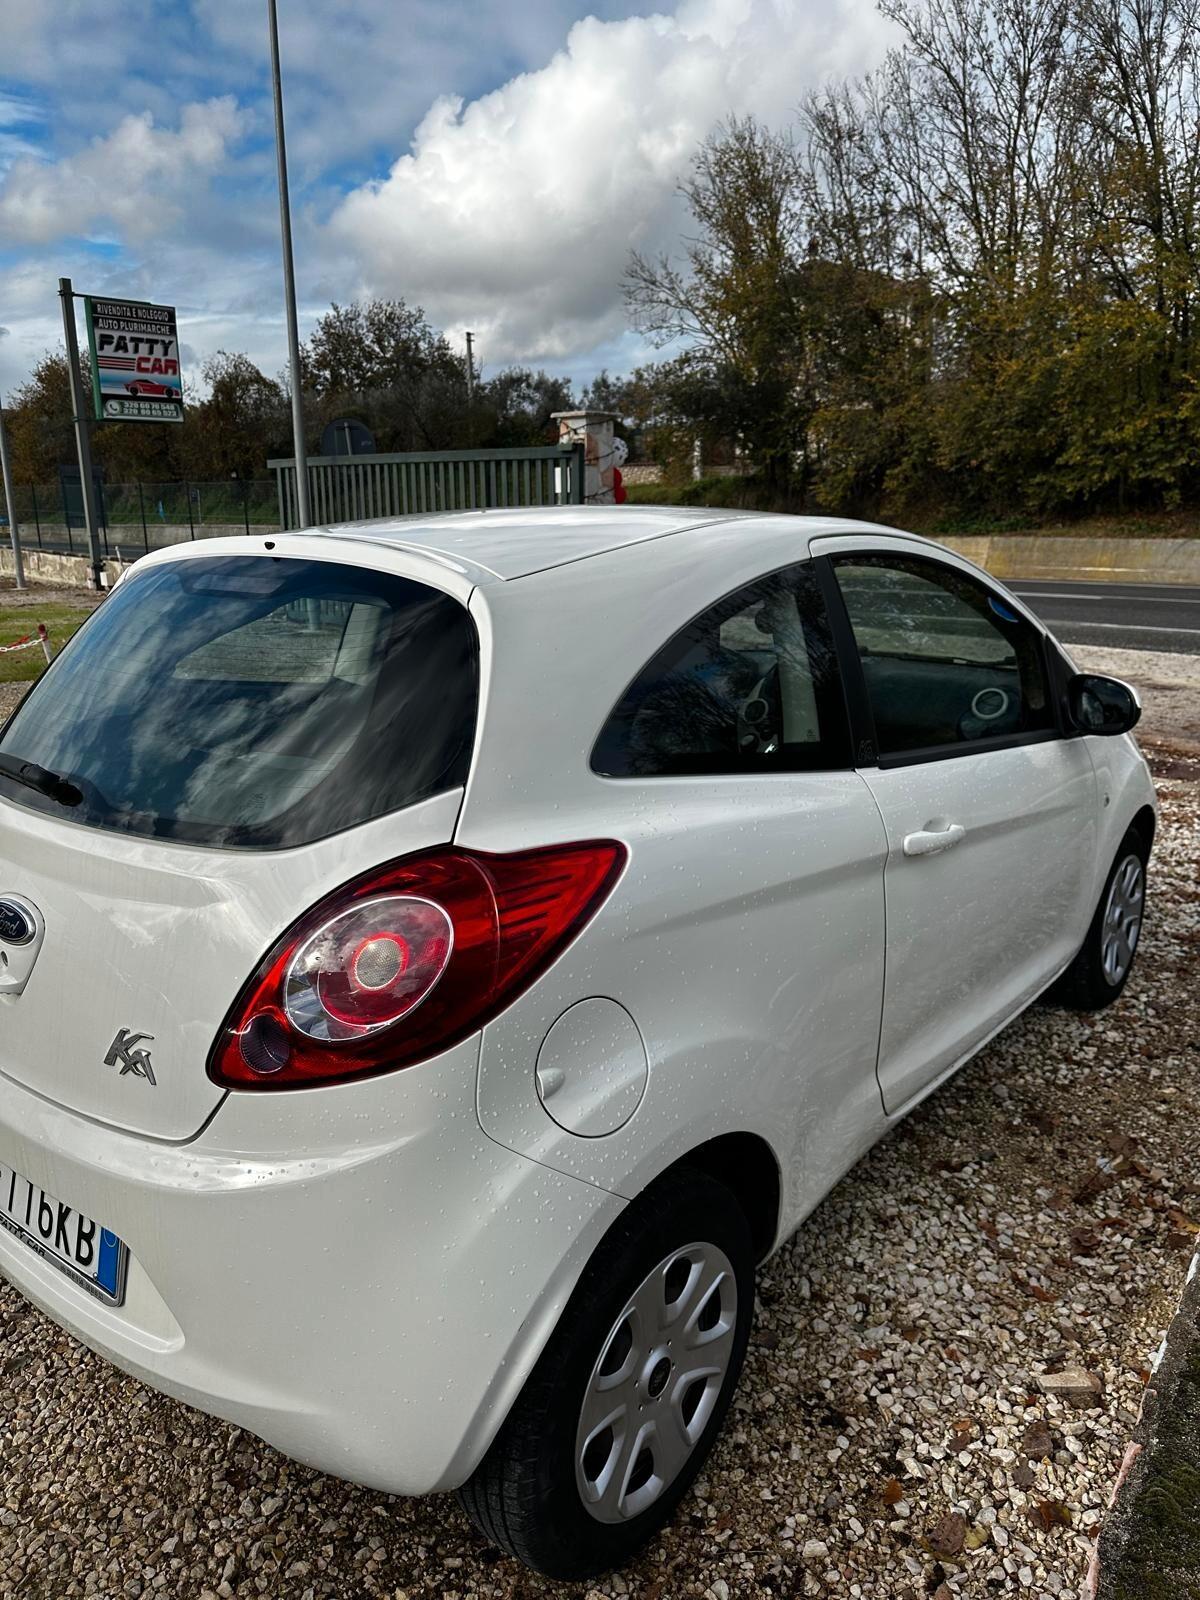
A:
{"points": [[135, 361]]}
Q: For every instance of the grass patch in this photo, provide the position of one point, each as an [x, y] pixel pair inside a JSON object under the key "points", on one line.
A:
{"points": [[61, 619], [1146, 525], [653, 494], [733, 491], [976, 525]]}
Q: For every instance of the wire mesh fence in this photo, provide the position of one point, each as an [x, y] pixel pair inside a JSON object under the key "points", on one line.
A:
{"points": [[142, 516]]}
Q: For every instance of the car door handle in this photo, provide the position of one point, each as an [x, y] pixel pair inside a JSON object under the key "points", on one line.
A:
{"points": [[928, 842]]}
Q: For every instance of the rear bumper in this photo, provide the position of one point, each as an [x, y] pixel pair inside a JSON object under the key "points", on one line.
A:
{"points": [[367, 1291]]}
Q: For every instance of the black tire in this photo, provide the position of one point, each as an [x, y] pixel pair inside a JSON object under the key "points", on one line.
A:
{"points": [[1085, 985], [524, 1496]]}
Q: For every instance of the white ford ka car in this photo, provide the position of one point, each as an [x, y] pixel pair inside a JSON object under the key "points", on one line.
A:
{"points": [[439, 959]]}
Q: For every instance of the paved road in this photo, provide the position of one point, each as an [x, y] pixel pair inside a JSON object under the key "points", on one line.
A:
{"points": [[1126, 616]]}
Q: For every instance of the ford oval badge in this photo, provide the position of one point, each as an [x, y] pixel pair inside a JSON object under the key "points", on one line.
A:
{"points": [[16, 925]]}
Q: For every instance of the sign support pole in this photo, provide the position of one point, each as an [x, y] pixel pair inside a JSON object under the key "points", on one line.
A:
{"points": [[10, 503], [83, 443], [303, 515]]}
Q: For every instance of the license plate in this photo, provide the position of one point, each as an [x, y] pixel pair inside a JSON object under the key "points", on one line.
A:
{"points": [[77, 1245]]}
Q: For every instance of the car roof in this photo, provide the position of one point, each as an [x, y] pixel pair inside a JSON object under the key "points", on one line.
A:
{"points": [[466, 550], [515, 542]]}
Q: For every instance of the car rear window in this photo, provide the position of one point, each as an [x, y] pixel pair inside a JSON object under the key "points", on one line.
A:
{"points": [[253, 701]]}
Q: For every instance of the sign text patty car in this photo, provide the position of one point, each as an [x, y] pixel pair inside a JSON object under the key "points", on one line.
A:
{"points": [[135, 360]]}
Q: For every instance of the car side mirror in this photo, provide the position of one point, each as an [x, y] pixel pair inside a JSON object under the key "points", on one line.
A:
{"points": [[1102, 705]]}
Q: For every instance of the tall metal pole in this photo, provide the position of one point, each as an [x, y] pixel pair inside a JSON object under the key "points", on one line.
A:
{"points": [[470, 366], [303, 519], [10, 502], [83, 443]]}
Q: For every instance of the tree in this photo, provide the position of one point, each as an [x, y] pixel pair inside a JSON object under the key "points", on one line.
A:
{"points": [[1138, 68], [975, 286], [376, 346], [606, 393], [383, 360], [516, 406], [736, 303], [242, 423], [41, 435]]}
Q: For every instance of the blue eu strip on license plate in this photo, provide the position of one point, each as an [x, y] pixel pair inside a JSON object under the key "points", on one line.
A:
{"points": [[74, 1243]]}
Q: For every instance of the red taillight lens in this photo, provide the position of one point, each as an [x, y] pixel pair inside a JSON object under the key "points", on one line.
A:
{"points": [[367, 967], [407, 960]]}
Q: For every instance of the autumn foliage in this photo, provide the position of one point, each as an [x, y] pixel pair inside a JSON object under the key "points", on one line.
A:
{"points": [[969, 281]]}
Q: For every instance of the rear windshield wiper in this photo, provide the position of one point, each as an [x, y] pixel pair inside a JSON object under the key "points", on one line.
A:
{"points": [[41, 779]]}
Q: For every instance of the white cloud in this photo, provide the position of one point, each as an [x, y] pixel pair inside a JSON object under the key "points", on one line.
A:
{"points": [[131, 179], [16, 109], [514, 215], [359, 74], [19, 116]]}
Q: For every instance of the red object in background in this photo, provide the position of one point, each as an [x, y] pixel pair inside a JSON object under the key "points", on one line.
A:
{"points": [[619, 494], [142, 387]]}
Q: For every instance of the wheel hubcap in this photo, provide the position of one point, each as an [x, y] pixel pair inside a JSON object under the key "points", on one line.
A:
{"points": [[1122, 919], [659, 1376]]}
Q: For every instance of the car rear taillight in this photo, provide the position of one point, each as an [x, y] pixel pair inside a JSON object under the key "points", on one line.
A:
{"points": [[407, 960]]}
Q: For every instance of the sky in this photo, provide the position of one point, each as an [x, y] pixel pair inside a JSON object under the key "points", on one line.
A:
{"points": [[493, 161]]}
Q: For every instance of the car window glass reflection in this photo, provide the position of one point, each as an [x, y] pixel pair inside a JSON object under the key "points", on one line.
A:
{"points": [[211, 702], [749, 685], [945, 662]]}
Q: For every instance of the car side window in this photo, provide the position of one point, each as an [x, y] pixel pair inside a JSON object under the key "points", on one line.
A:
{"points": [[751, 685], [946, 663]]}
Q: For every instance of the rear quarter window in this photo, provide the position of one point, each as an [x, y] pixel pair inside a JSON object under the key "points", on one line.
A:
{"points": [[749, 686], [254, 701]]}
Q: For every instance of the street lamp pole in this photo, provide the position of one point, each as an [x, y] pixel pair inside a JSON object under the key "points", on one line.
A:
{"points": [[83, 443], [303, 518], [10, 504]]}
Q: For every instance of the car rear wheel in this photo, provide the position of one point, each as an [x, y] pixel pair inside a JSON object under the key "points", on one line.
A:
{"points": [[1101, 969], [627, 1399]]}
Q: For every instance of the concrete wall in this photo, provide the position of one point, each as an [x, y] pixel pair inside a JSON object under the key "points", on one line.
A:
{"points": [[1005, 556], [1020, 555], [43, 567]]}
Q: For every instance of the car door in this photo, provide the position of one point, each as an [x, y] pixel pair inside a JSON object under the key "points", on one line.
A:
{"points": [[989, 806], [745, 939]]}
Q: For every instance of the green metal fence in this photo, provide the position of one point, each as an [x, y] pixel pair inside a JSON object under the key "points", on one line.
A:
{"points": [[141, 516], [360, 488]]}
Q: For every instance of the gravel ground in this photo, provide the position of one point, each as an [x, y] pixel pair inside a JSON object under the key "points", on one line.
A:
{"points": [[891, 1437], [901, 1430]]}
